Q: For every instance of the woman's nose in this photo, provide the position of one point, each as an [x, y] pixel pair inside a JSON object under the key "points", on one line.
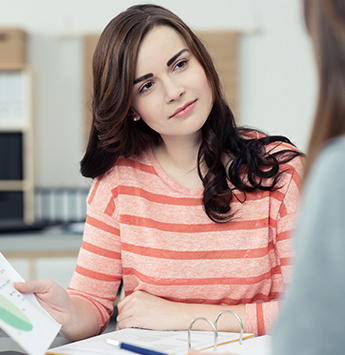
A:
{"points": [[173, 89]]}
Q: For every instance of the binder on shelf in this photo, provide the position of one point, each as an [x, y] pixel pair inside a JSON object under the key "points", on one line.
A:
{"points": [[16, 130], [11, 205], [12, 99], [11, 156]]}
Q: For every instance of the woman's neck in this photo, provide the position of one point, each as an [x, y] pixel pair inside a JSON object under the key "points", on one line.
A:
{"points": [[179, 159]]}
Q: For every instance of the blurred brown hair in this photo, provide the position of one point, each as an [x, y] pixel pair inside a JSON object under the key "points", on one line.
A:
{"points": [[325, 21]]}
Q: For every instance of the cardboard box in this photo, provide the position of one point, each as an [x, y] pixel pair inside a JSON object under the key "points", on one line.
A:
{"points": [[12, 47]]}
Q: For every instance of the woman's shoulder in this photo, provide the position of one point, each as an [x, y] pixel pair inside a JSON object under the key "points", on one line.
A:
{"points": [[272, 143], [127, 165], [335, 146], [250, 133], [331, 160], [127, 171]]}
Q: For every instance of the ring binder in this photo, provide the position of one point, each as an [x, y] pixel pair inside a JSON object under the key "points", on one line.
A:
{"points": [[214, 327], [237, 317], [215, 341]]}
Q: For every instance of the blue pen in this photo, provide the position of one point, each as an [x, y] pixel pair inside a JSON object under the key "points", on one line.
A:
{"points": [[133, 348]]}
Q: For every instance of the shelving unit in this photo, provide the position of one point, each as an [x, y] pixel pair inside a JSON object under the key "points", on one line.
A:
{"points": [[16, 144]]}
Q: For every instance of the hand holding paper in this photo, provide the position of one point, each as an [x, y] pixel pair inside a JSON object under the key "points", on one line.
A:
{"points": [[51, 296], [77, 318], [21, 315]]}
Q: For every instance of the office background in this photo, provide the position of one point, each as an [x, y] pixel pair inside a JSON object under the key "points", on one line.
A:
{"points": [[276, 93], [276, 81]]}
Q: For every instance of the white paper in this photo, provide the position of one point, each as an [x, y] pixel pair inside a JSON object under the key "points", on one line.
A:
{"points": [[169, 342], [251, 346], [22, 317]]}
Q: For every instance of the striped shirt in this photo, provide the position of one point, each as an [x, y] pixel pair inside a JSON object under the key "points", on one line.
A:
{"points": [[146, 229]]}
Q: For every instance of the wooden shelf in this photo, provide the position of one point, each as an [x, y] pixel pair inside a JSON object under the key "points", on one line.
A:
{"points": [[13, 128], [15, 185], [12, 185], [21, 87], [13, 67]]}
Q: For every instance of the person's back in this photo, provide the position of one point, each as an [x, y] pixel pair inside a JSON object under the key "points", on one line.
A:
{"points": [[314, 311], [312, 318]]}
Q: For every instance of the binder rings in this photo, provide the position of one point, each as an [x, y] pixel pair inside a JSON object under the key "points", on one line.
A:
{"points": [[214, 327]]}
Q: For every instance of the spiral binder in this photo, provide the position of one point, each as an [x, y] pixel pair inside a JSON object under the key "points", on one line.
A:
{"points": [[214, 327]]}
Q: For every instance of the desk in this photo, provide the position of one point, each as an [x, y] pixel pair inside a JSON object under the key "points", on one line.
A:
{"points": [[49, 242], [7, 344]]}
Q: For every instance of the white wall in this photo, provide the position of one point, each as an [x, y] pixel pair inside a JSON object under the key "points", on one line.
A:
{"points": [[277, 85]]}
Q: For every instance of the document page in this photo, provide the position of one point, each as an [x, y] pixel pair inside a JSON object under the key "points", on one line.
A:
{"points": [[252, 346], [169, 342], [21, 316]]}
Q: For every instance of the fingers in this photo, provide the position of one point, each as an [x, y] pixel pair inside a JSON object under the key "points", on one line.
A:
{"points": [[122, 303], [123, 316], [126, 300], [143, 310], [128, 310], [34, 286]]}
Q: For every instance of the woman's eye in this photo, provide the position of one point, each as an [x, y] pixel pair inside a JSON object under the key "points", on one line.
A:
{"points": [[145, 87], [181, 64]]}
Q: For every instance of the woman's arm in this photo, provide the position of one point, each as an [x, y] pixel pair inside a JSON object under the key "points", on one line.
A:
{"points": [[76, 315], [143, 310]]}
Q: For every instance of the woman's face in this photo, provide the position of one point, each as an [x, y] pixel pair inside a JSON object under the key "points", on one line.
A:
{"points": [[171, 92]]}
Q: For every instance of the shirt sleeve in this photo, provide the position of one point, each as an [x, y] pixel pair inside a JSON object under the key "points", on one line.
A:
{"points": [[260, 317], [98, 273]]}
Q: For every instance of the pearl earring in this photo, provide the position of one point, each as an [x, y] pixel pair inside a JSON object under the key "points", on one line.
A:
{"points": [[135, 119]]}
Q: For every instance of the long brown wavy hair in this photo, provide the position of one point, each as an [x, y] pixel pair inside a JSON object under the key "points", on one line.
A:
{"points": [[325, 21], [114, 133]]}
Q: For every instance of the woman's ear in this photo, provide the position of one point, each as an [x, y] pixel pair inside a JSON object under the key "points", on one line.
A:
{"points": [[134, 115]]}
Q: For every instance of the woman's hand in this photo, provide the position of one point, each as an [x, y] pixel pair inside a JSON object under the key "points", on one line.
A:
{"points": [[76, 316], [52, 297], [143, 310]]}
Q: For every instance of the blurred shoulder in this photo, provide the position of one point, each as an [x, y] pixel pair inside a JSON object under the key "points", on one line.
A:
{"points": [[331, 160]]}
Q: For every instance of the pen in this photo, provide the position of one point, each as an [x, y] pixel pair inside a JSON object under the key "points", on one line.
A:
{"points": [[133, 348]]}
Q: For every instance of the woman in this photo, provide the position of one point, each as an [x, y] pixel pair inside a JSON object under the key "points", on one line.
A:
{"points": [[312, 318], [191, 212]]}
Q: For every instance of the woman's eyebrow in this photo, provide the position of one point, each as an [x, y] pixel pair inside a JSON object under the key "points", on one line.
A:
{"points": [[142, 78], [171, 60]]}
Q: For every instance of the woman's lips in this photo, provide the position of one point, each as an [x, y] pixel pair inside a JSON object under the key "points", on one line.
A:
{"points": [[184, 110]]}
